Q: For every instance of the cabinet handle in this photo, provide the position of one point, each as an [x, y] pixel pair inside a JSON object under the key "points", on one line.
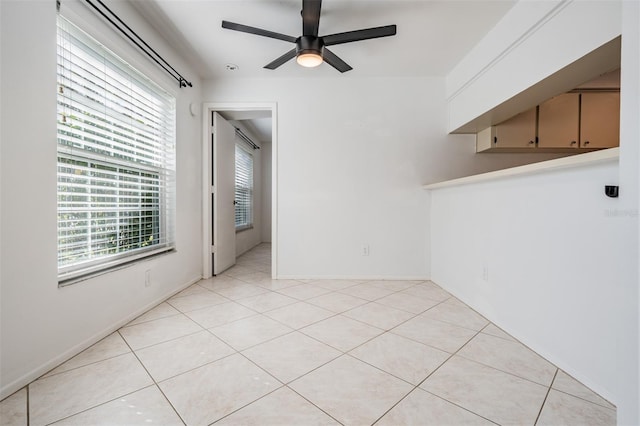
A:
{"points": [[573, 143], [531, 142], [586, 143]]}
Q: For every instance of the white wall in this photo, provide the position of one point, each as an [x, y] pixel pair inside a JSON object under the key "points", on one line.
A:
{"points": [[534, 40], [266, 191], [41, 324], [352, 155], [630, 180], [562, 258]]}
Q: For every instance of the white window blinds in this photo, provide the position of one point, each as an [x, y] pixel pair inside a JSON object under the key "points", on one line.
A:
{"points": [[116, 159], [244, 188]]}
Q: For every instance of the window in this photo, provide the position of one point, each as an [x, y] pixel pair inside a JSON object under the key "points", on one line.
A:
{"points": [[244, 188], [116, 159]]}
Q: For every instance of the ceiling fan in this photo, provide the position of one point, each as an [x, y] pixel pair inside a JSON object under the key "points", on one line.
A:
{"points": [[311, 49]]}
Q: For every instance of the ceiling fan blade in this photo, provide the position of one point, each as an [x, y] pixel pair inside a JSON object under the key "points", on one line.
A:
{"points": [[281, 60], [333, 60], [311, 17], [257, 31], [358, 35]]}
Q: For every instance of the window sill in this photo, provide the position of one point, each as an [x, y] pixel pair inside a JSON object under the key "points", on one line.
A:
{"points": [[63, 282], [243, 228]]}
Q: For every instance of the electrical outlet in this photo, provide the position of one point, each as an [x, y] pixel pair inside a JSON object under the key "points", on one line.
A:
{"points": [[147, 278], [365, 249], [485, 272]]}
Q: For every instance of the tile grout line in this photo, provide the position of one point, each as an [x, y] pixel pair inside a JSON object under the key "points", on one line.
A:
{"points": [[311, 402], [374, 326], [393, 406], [168, 340], [449, 358], [192, 369], [441, 365], [99, 405], [333, 314], [384, 371], [508, 372], [271, 309], [257, 399], [349, 350], [415, 387], [252, 346], [155, 383], [80, 366], [544, 401], [295, 378], [168, 303], [491, 367], [47, 374], [485, 365], [246, 405], [151, 320], [612, 408], [461, 407]]}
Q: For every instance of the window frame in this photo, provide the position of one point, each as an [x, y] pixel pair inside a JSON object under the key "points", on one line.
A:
{"points": [[246, 225], [142, 175]]}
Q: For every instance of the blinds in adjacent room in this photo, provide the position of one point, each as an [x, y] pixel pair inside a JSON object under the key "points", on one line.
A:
{"points": [[244, 188], [116, 159]]}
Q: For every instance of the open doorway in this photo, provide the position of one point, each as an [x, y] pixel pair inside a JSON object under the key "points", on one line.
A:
{"points": [[232, 226]]}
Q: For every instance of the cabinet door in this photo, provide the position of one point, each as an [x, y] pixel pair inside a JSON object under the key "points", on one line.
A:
{"points": [[517, 132], [558, 122], [600, 120]]}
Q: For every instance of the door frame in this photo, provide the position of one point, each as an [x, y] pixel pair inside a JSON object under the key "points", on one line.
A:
{"points": [[207, 208]]}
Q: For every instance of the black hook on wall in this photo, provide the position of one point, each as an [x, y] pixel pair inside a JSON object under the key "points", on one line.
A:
{"points": [[611, 191]]}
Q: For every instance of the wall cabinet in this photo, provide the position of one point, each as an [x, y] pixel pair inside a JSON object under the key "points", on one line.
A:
{"points": [[600, 120], [559, 122], [518, 132], [568, 122]]}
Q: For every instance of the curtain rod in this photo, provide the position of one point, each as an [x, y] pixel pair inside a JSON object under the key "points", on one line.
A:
{"points": [[246, 139], [148, 50]]}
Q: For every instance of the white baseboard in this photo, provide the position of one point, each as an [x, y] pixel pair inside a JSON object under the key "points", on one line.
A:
{"points": [[24, 380], [355, 277]]}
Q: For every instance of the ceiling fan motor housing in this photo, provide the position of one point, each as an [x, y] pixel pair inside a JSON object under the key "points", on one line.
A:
{"points": [[309, 44], [310, 48]]}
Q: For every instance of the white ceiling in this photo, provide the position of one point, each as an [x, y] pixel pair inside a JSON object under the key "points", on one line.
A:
{"points": [[432, 35], [258, 123]]}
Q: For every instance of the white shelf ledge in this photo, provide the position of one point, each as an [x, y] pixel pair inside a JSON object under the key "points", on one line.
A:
{"points": [[581, 160]]}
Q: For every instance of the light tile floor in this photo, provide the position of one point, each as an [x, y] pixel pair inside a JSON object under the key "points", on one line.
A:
{"points": [[242, 349]]}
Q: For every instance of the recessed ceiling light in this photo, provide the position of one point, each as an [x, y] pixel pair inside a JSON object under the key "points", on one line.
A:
{"points": [[231, 67]]}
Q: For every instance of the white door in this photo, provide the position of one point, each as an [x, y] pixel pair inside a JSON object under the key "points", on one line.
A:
{"points": [[224, 178]]}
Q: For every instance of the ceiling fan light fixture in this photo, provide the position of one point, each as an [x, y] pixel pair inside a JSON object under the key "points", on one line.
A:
{"points": [[309, 59], [310, 47], [309, 51]]}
